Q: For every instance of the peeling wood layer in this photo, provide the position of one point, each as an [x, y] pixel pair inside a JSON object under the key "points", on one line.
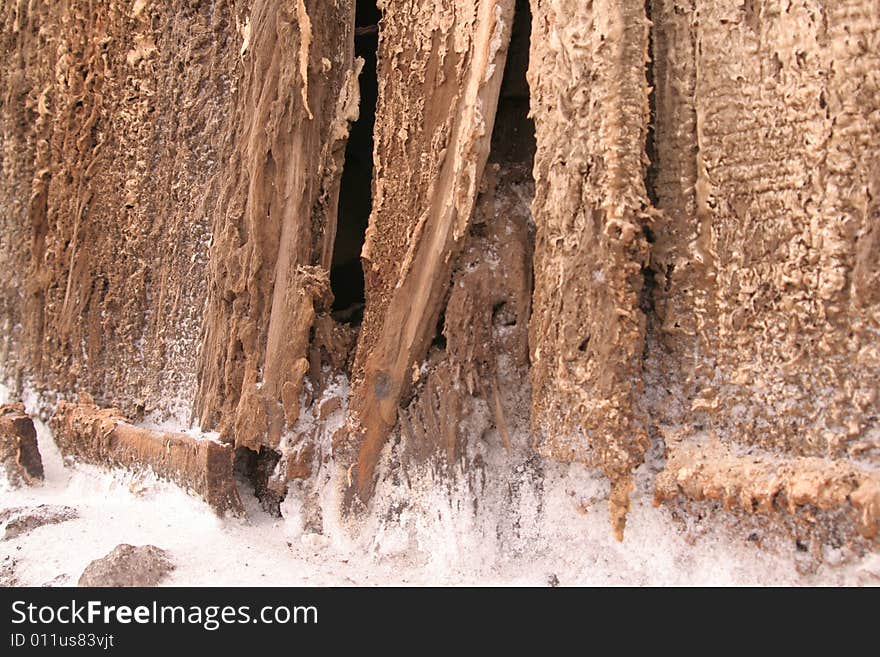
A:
{"points": [[440, 70], [467, 394], [104, 437], [275, 207]]}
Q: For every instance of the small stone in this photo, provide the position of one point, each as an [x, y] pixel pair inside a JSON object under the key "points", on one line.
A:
{"points": [[17, 521], [128, 565], [58, 580]]}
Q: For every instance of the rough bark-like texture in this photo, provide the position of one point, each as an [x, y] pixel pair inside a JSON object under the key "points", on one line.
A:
{"points": [[440, 72], [701, 255], [707, 470], [789, 178], [590, 103], [275, 216], [772, 280], [103, 437], [111, 123], [19, 454], [679, 272]]}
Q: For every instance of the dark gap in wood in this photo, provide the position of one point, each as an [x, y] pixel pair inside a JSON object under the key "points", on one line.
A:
{"points": [[513, 136], [257, 469], [355, 192]]}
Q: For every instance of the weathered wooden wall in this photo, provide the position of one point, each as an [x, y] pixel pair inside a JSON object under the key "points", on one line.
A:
{"points": [[113, 123], [687, 251], [769, 260], [274, 213]]}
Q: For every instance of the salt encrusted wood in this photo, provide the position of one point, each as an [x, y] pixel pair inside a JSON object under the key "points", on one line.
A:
{"points": [[275, 216], [701, 469], [169, 196], [112, 122], [787, 353], [440, 71], [589, 97], [104, 437]]}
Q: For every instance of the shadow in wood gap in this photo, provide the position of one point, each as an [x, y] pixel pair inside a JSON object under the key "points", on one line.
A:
{"points": [[513, 134], [355, 192], [258, 469]]}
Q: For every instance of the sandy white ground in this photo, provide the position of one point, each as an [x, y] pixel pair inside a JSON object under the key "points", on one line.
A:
{"points": [[529, 528]]}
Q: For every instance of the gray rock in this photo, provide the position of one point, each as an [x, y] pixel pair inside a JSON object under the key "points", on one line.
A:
{"points": [[20, 520], [128, 565]]}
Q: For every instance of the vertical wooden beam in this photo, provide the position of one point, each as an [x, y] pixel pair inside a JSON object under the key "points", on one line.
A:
{"points": [[276, 217], [589, 97], [440, 71]]}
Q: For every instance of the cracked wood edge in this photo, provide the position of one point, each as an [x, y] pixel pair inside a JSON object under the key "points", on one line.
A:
{"points": [[410, 317]]}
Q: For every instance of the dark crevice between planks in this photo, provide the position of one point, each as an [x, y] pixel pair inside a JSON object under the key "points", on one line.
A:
{"points": [[355, 193]]}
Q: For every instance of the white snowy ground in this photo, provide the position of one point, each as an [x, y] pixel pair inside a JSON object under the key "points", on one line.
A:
{"points": [[529, 529]]}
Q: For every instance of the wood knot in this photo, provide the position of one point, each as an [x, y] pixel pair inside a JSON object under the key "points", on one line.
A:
{"points": [[382, 385]]}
